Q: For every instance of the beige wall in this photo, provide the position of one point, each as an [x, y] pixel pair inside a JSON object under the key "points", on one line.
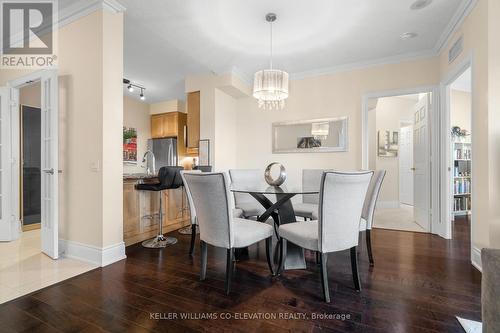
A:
{"points": [[389, 114], [90, 70], [30, 95], [136, 115], [219, 96], [479, 31], [112, 128], [225, 131], [494, 120], [460, 108], [174, 105]]}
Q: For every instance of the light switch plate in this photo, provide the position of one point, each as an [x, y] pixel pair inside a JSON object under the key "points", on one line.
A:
{"points": [[95, 166]]}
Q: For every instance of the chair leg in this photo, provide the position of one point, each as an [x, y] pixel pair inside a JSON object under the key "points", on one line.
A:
{"points": [[269, 250], [193, 239], [281, 266], [369, 246], [354, 266], [324, 277], [229, 270], [203, 258]]}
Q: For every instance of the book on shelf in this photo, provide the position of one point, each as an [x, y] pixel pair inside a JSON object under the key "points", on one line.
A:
{"points": [[462, 154], [461, 186], [461, 204]]}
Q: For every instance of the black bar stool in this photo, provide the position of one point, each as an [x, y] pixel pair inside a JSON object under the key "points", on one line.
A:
{"points": [[169, 178], [203, 168]]}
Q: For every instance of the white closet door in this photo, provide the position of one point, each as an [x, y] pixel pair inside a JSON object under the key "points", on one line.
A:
{"points": [[50, 164], [406, 165]]}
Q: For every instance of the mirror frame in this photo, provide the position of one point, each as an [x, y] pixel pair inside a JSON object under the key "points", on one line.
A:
{"points": [[344, 148]]}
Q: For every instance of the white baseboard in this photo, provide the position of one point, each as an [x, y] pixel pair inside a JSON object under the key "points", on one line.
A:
{"points": [[92, 254], [388, 204], [475, 255]]}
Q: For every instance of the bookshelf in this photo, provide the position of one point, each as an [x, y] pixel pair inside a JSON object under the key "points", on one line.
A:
{"points": [[461, 176]]}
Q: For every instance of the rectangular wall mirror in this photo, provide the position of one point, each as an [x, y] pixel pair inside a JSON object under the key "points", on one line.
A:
{"points": [[310, 136]]}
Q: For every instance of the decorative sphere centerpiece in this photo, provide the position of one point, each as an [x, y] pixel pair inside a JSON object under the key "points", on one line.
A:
{"points": [[269, 178]]}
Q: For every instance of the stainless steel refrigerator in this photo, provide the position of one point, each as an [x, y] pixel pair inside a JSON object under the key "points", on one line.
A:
{"points": [[165, 151]]}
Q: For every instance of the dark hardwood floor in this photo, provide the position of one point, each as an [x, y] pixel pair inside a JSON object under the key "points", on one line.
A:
{"points": [[419, 283]]}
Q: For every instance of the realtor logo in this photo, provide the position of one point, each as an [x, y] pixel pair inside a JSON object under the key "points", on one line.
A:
{"points": [[28, 33]]}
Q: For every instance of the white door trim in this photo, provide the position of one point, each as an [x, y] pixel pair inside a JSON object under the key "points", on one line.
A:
{"points": [[445, 139], [9, 226], [434, 140]]}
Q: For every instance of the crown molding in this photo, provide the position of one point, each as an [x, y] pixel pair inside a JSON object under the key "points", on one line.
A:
{"points": [[113, 6], [364, 64], [242, 76], [247, 78], [455, 23], [83, 8]]}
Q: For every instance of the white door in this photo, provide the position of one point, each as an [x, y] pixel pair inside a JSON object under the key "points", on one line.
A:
{"points": [[421, 166], [50, 164], [9, 227], [406, 165]]}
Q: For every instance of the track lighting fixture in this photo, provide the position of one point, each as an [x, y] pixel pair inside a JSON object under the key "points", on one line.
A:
{"points": [[131, 86]]}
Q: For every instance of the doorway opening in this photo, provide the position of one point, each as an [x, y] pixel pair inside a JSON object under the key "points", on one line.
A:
{"points": [[398, 132], [30, 139], [461, 147], [458, 141]]}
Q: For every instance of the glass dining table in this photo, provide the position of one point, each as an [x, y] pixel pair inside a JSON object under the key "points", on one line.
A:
{"points": [[281, 211]]}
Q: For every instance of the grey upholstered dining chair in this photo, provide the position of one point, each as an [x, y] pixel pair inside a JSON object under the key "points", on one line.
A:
{"points": [[340, 204], [243, 201], [218, 227], [192, 210], [368, 212], [308, 208]]}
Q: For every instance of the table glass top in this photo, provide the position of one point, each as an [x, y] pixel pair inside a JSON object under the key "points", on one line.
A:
{"points": [[267, 189]]}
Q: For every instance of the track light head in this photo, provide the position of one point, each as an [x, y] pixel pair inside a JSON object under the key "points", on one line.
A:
{"points": [[132, 86]]}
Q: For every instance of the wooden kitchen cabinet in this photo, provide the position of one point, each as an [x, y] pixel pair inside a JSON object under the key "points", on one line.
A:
{"points": [[193, 119], [167, 125]]}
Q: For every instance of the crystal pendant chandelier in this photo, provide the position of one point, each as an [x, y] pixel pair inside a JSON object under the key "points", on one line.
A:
{"points": [[270, 86]]}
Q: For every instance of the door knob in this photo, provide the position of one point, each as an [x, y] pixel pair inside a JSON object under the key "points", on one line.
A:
{"points": [[413, 169], [50, 171]]}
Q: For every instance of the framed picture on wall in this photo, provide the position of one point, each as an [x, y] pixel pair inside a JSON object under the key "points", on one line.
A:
{"points": [[129, 145], [388, 143]]}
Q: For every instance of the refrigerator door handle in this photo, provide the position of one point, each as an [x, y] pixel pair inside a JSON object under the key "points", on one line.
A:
{"points": [[170, 155]]}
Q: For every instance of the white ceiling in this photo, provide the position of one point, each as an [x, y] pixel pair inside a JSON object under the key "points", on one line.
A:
{"points": [[167, 40]]}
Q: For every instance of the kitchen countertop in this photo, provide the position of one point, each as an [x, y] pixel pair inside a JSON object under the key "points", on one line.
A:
{"points": [[137, 176]]}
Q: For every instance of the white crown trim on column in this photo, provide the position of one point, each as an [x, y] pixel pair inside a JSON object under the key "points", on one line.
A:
{"points": [[455, 23], [113, 6], [85, 7]]}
